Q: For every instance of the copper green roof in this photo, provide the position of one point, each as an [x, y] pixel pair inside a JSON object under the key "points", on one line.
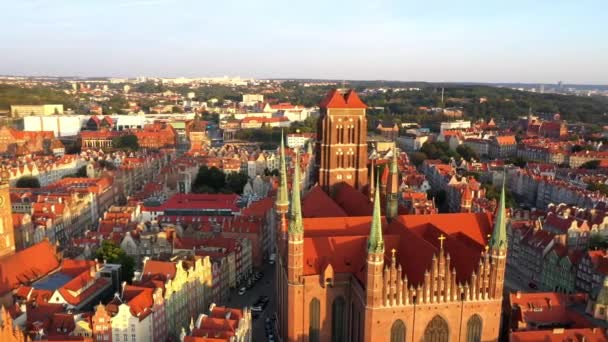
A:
{"points": [[295, 222], [282, 195], [376, 243], [499, 235]]}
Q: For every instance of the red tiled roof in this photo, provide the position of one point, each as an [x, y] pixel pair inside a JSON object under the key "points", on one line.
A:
{"points": [[506, 140], [353, 202], [19, 269], [166, 270], [316, 203], [337, 99], [560, 335]]}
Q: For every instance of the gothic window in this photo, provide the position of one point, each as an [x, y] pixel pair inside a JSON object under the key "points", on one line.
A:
{"points": [[437, 330], [474, 329], [398, 331], [314, 312], [338, 322]]}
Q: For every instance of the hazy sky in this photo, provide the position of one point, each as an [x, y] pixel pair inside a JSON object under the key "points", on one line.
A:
{"points": [[465, 40]]}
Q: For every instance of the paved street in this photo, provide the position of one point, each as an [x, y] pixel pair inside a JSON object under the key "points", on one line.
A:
{"points": [[264, 287]]}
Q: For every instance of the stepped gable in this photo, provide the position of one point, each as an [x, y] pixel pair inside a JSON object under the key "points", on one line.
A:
{"points": [[316, 203]]}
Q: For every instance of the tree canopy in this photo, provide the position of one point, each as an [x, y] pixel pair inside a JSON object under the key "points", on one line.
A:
{"points": [[113, 254], [28, 182], [590, 165], [126, 142]]}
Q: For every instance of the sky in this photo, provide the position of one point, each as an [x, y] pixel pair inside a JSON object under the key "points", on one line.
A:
{"points": [[530, 41]]}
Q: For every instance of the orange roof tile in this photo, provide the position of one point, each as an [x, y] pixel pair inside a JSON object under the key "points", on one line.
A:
{"points": [[18, 268]]}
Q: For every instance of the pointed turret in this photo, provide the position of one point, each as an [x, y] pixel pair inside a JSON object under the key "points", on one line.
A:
{"points": [[499, 235], [282, 202], [376, 243], [392, 202], [497, 251], [295, 222]]}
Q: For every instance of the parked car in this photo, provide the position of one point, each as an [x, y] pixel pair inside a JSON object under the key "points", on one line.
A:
{"points": [[242, 291]]}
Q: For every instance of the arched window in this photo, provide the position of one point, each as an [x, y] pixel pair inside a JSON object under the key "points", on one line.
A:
{"points": [[474, 329], [338, 322], [398, 331], [314, 311], [437, 330]]}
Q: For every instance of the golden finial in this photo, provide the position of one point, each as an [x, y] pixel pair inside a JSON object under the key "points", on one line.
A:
{"points": [[488, 243], [393, 251], [441, 238]]}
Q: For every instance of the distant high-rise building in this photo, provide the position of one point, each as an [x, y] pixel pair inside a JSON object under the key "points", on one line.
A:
{"points": [[560, 86], [542, 88]]}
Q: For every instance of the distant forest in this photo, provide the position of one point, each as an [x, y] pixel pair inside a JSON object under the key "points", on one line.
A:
{"points": [[477, 101]]}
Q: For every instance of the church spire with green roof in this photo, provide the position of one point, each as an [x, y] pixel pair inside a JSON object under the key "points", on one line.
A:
{"points": [[376, 243], [295, 222], [282, 195], [499, 235]]}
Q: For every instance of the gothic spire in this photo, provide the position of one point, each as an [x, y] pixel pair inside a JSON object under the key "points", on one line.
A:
{"points": [[295, 223], [282, 195], [499, 235], [394, 168], [376, 243]]}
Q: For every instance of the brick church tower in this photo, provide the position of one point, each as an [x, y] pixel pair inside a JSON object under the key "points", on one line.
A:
{"points": [[7, 235], [342, 140]]}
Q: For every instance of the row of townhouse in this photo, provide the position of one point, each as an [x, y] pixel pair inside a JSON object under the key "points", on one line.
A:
{"points": [[549, 258], [60, 211], [540, 190], [44, 168]]}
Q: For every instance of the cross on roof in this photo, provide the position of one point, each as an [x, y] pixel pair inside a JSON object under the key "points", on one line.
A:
{"points": [[441, 238]]}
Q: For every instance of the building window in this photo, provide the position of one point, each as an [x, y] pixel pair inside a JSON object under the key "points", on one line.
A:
{"points": [[314, 312], [398, 331], [474, 329], [338, 322], [437, 330]]}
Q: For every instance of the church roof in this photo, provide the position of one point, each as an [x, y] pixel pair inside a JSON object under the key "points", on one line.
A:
{"points": [[339, 99], [342, 241], [353, 202], [317, 203]]}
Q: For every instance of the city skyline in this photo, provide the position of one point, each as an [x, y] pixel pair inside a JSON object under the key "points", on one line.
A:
{"points": [[356, 40]]}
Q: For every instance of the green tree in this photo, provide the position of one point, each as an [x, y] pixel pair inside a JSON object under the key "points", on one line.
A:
{"points": [[126, 142], [597, 241], [590, 165], [113, 254], [466, 152], [417, 158], [209, 180], [493, 192], [602, 188], [28, 182], [235, 182]]}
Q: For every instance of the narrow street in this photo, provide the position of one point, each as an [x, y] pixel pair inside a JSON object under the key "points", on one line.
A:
{"points": [[263, 287]]}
